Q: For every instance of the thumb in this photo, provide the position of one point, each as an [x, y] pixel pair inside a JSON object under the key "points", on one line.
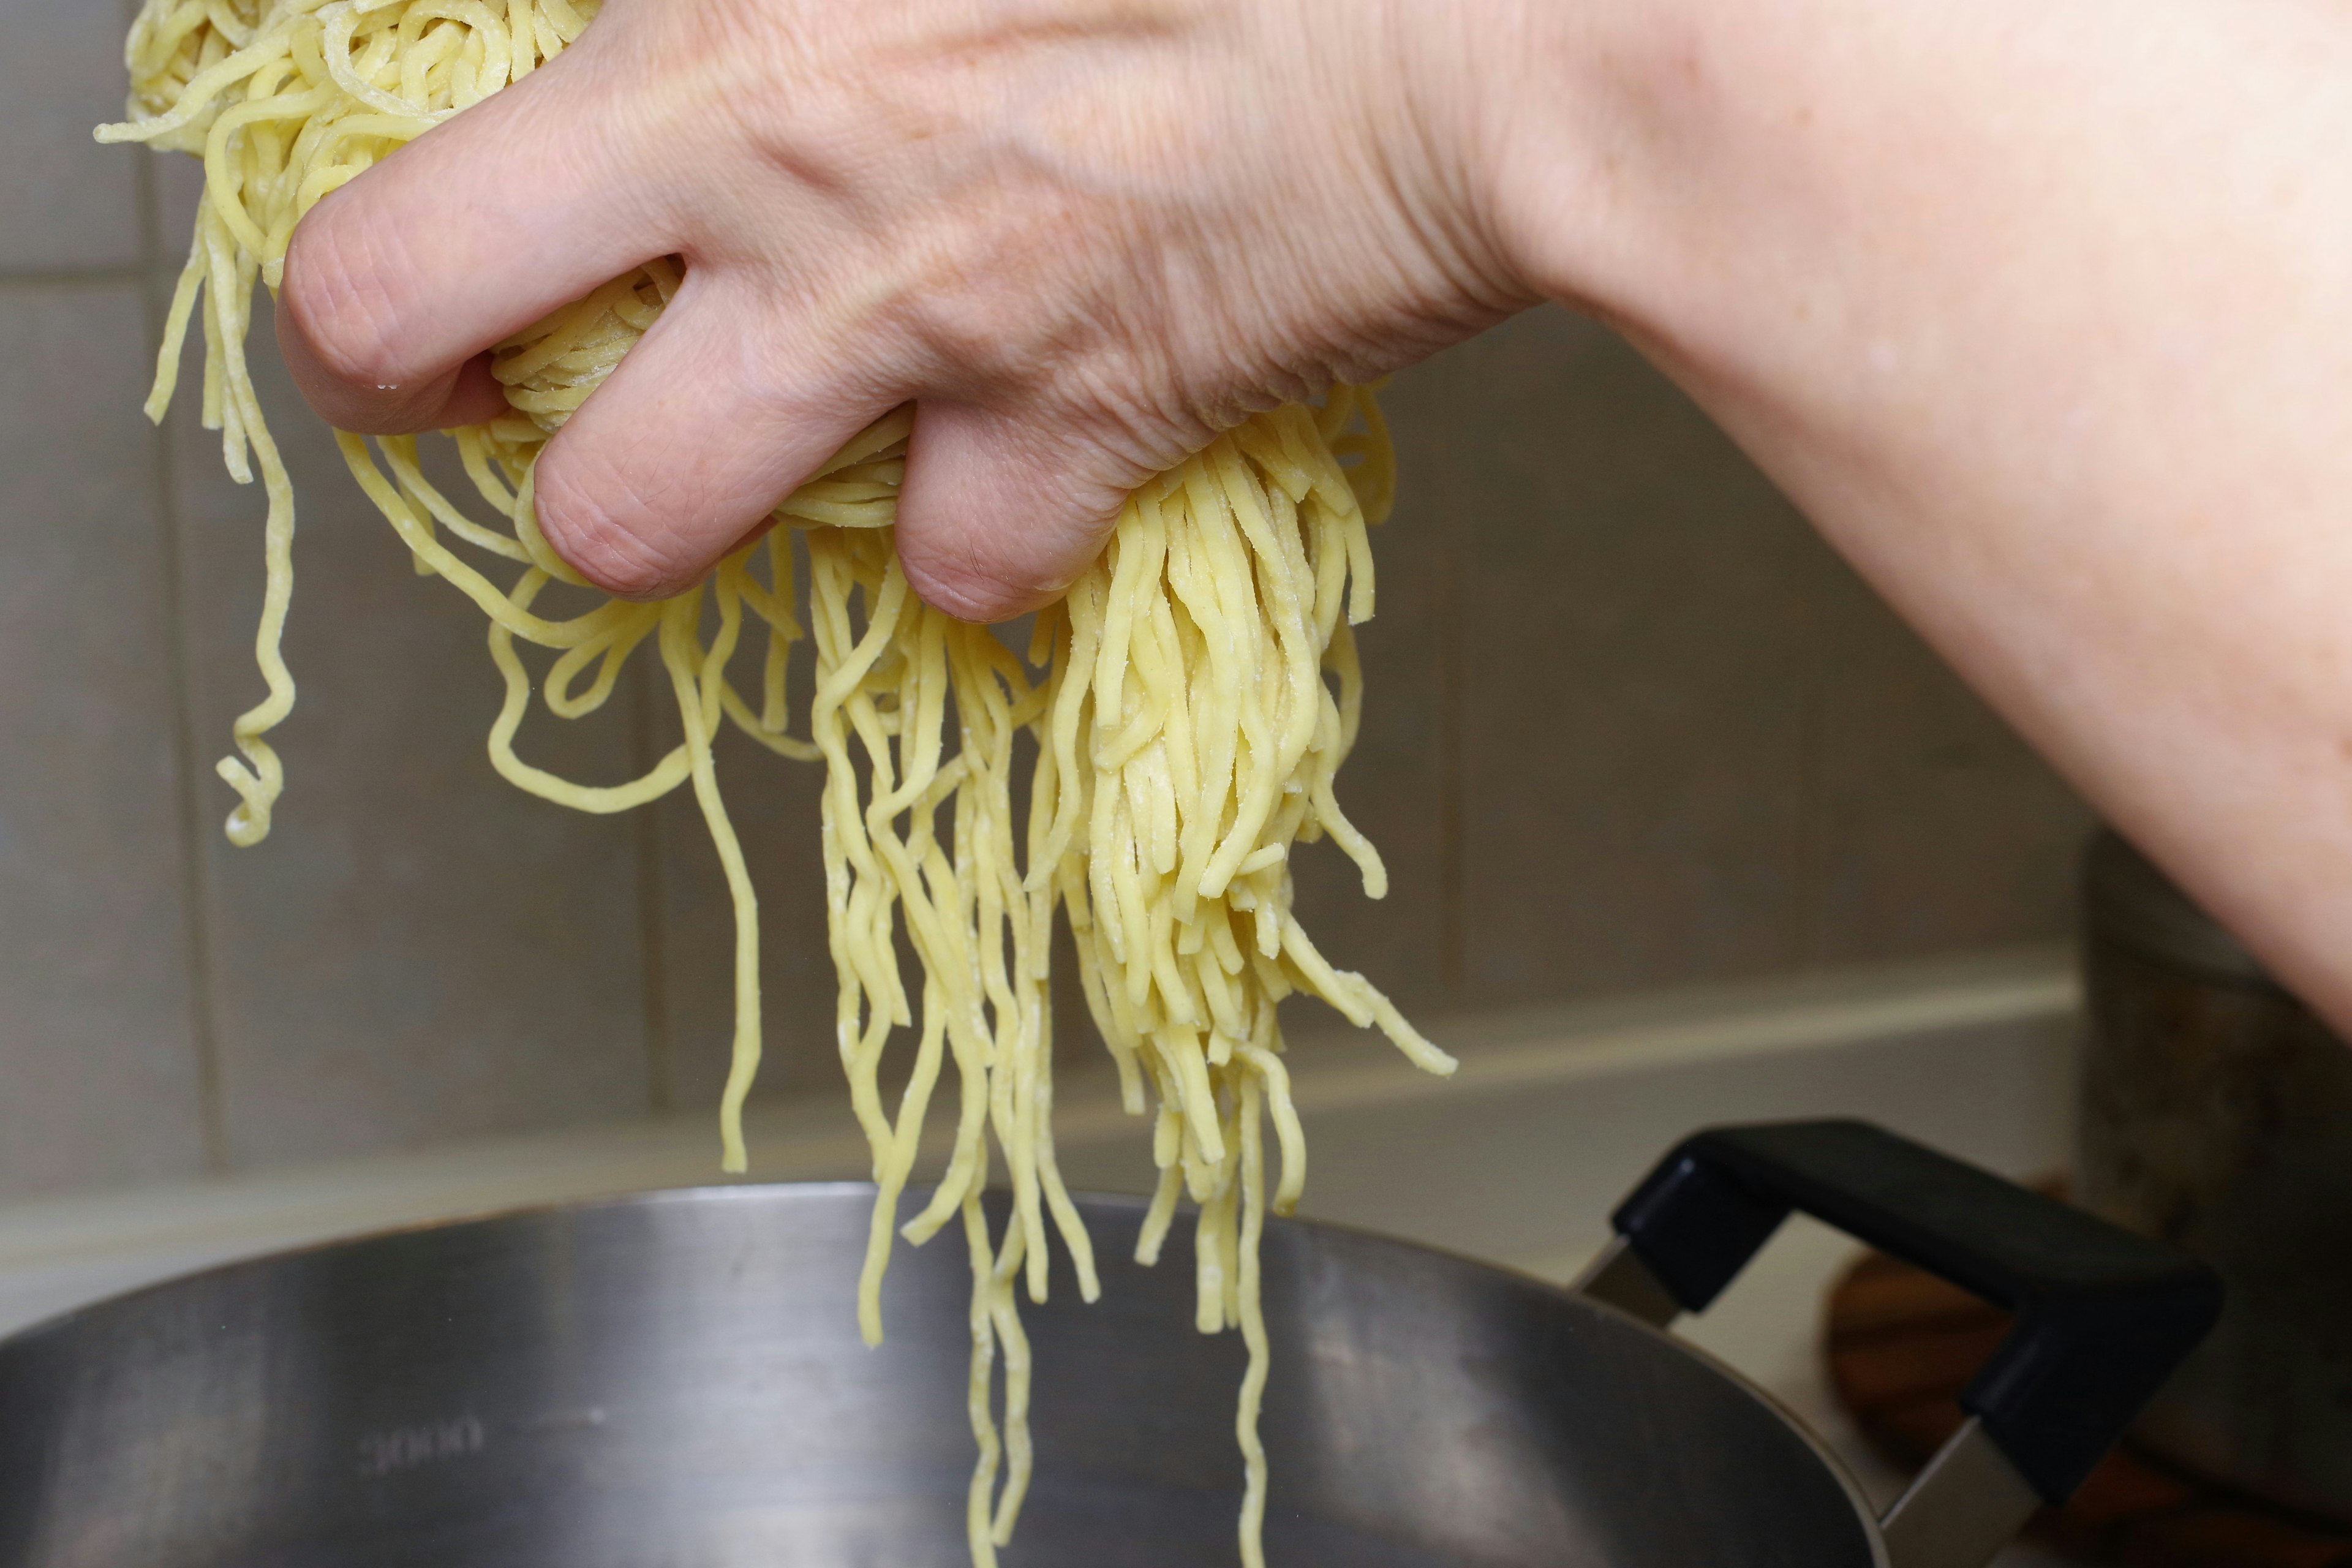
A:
{"points": [[999, 515]]}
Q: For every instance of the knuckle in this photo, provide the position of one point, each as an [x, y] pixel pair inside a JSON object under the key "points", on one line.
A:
{"points": [[1014, 541], [967, 592], [1134, 421], [988, 335], [335, 293], [602, 543], [1002, 307]]}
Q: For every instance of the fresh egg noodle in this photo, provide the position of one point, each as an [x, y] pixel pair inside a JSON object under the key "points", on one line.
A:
{"points": [[1199, 690]]}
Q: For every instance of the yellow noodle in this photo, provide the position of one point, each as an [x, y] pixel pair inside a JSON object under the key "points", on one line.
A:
{"points": [[1186, 707]]}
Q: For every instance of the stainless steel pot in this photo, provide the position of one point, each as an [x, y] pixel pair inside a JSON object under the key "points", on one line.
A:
{"points": [[676, 1381], [2217, 1113]]}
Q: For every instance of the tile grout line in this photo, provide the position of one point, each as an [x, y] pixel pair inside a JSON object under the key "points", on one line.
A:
{"points": [[1453, 933], [203, 1024], [82, 277], [1808, 850]]}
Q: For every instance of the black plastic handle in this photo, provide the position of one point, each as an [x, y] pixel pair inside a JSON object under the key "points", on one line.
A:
{"points": [[2102, 1315]]}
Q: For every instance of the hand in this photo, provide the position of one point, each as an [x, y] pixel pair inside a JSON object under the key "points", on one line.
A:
{"points": [[1080, 235]]}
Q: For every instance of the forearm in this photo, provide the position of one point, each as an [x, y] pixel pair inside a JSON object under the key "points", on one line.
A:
{"points": [[2043, 312]]}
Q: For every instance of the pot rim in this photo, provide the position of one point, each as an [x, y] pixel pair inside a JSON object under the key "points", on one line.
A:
{"points": [[1866, 1513]]}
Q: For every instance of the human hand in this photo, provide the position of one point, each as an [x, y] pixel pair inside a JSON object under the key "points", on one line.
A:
{"points": [[1079, 236]]}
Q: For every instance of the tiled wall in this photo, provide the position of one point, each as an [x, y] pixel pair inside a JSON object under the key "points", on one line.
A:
{"points": [[1629, 725]]}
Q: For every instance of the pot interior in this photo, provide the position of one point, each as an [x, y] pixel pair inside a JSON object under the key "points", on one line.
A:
{"points": [[676, 1381]]}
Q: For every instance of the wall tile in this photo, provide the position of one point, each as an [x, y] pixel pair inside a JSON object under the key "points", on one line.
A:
{"points": [[71, 202], [1931, 827], [1633, 656], [98, 1066], [419, 952], [178, 185]]}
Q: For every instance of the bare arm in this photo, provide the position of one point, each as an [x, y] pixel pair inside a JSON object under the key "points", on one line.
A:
{"points": [[2041, 309], [2043, 313]]}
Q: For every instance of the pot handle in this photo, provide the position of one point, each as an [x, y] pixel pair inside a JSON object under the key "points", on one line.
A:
{"points": [[2102, 1315]]}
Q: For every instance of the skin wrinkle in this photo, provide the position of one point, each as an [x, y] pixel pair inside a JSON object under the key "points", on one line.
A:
{"points": [[1004, 30], [1449, 155], [621, 559], [344, 305]]}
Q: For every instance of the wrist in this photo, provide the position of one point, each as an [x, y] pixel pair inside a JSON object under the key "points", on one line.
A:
{"points": [[1495, 110], [1419, 78]]}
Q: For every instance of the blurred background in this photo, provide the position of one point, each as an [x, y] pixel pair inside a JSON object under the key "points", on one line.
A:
{"points": [[1682, 825]]}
